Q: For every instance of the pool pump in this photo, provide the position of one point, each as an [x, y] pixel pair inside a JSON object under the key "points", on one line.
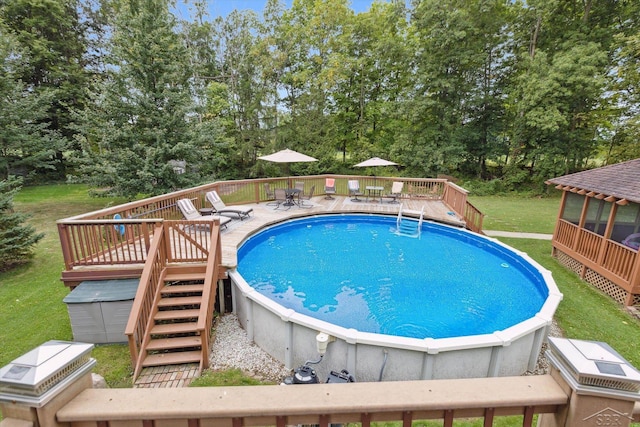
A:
{"points": [[305, 374]]}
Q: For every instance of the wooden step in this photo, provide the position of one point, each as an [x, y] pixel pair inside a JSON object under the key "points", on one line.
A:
{"points": [[174, 328], [175, 358], [183, 277], [176, 314], [181, 289], [173, 343], [178, 301]]}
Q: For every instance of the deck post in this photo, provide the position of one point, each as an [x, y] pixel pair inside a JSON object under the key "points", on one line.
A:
{"points": [[37, 384], [602, 386]]}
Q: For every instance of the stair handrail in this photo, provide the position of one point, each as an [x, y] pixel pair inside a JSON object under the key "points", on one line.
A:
{"points": [[421, 220], [212, 273], [142, 307], [399, 220]]}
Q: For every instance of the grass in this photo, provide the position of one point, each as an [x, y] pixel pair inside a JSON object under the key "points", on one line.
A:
{"points": [[514, 213], [32, 295], [34, 312]]}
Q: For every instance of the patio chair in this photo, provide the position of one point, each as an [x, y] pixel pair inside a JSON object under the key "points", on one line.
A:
{"points": [[354, 190], [302, 197], [396, 191], [632, 241], [222, 209], [281, 198], [190, 213], [329, 188]]}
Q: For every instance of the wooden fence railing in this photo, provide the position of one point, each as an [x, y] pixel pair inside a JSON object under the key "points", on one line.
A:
{"points": [[121, 234], [144, 301], [605, 256], [320, 404]]}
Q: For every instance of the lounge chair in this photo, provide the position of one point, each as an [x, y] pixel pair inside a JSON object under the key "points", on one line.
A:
{"points": [[190, 213], [354, 190], [222, 209], [329, 188], [281, 198], [302, 197], [632, 241], [396, 191]]}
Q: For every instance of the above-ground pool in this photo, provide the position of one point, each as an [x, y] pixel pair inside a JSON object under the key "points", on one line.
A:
{"points": [[441, 303]]}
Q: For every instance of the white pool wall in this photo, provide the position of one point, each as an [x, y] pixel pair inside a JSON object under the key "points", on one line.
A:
{"points": [[290, 338]]}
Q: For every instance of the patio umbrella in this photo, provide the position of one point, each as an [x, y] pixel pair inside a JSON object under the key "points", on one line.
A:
{"points": [[287, 156], [375, 162]]}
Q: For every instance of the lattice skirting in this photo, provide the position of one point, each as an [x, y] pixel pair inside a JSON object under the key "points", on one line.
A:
{"points": [[595, 279]]}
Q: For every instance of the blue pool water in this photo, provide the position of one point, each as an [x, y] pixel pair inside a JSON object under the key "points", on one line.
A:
{"points": [[357, 272]]}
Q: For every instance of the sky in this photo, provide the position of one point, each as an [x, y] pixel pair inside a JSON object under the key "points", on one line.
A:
{"points": [[224, 7]]}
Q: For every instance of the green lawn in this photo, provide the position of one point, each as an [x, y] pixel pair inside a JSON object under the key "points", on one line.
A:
{"points": [[33, 311]]}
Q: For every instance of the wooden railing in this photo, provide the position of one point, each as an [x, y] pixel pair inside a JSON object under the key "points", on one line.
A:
{"points": [[212, 274], [141, 314], [588, 244], [604, 256], [321, 404], [121, 234]]}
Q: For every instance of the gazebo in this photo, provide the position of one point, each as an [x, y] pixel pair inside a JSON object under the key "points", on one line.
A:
{"points": [[597, 231]]}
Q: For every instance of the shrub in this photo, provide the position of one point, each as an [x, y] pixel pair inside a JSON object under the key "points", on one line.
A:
{"points": [[17, 239]]}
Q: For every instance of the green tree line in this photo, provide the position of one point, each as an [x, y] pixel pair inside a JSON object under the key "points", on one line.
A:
{"points": [[140, 97]]}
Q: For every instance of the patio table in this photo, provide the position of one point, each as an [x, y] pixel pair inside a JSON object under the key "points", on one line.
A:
{"points": [[373, 192], [291, 194]]}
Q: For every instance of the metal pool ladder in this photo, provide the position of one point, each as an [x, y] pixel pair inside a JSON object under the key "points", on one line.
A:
{"points": [[409, 226]]}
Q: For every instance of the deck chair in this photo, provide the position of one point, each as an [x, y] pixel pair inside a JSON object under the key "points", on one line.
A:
{"points": [[329, 188], [632, 241], [303, 196], [271, 195], [192, 214], [281, 198], [222, 209], [396, 191], [354, 190]]}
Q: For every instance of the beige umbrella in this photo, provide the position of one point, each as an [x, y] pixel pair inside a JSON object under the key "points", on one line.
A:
{"points": [[375, 162], [288, 156]]}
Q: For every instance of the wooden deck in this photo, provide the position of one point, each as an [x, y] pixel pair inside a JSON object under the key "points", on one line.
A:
{"points": [[265, 215]]}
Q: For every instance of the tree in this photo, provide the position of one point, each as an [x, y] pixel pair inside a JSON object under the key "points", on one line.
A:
{"points": [[53, 41], [17, 239], [27, 145], [142, 124]]}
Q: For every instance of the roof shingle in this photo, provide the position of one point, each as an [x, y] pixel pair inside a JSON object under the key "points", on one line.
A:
{"points": [[621, 180]]}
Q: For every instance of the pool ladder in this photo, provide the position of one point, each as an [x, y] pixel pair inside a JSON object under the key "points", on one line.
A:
{"points": [[409, 226]]}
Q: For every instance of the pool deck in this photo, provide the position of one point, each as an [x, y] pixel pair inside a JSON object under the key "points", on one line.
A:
{"points": [[264, 215]]}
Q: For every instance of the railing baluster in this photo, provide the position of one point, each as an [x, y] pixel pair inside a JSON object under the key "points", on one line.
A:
{"points": [[528, 416], [488, 416], [448, 418], [407, 418]]}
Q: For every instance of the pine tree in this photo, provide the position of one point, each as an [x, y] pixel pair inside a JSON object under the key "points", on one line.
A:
{"points": [[17, 238]]}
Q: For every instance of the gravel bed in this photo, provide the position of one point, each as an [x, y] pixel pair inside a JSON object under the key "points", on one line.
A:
{"points": [[232, 349]]}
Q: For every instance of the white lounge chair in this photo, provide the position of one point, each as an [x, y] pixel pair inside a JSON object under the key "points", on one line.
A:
{"points": [[396, 191], [222, 209], [354, 190], [190, 213]]}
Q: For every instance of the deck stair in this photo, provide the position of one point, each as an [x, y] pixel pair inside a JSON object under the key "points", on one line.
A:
{"points": [[409, 226], [172, 338]]}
